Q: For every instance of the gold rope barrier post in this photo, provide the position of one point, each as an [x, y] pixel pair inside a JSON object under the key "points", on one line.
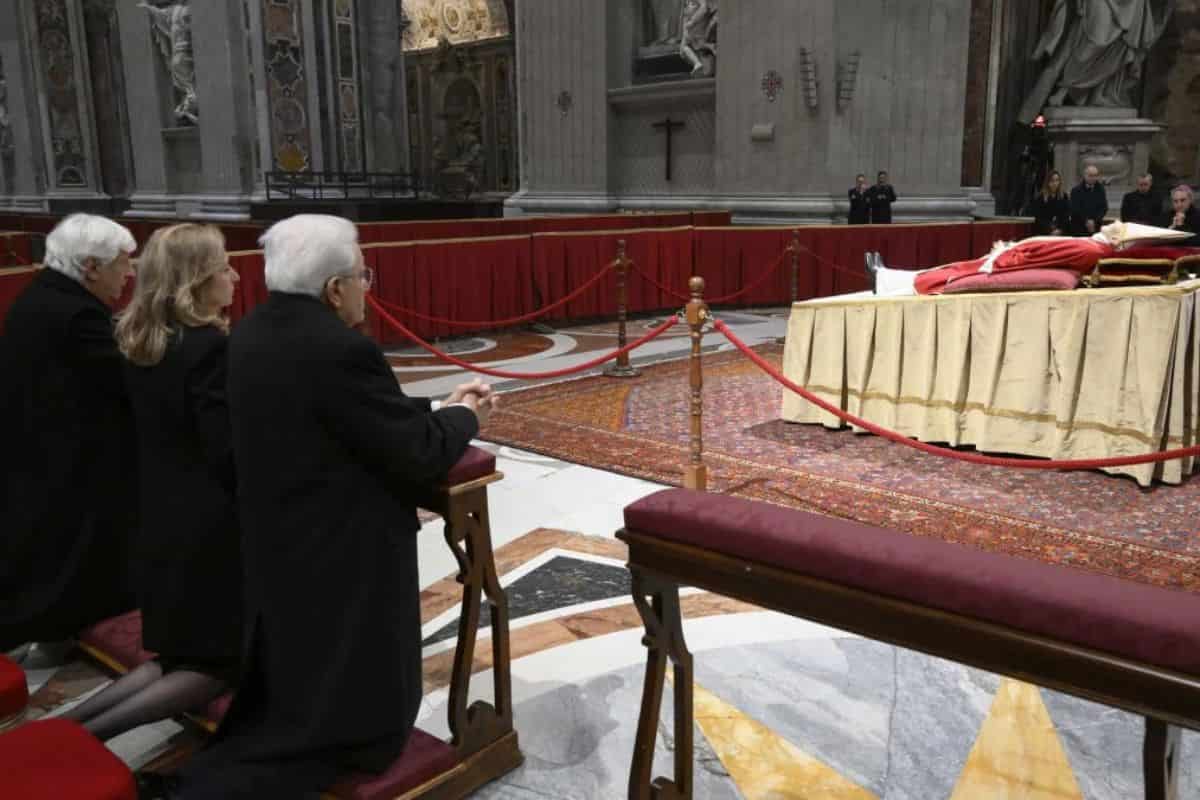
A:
{"points": [[695, 475], [794, 247], [621, 368]]}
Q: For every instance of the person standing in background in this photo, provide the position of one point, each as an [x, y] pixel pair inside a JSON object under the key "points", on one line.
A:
{"points": [[860, 204], [1142, 205], [1089, 203], [881, 196]]}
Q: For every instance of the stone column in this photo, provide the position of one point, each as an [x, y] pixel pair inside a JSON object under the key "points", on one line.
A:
{"points": [[108, 107], [145, 85], [24, 172], [224, 98]]}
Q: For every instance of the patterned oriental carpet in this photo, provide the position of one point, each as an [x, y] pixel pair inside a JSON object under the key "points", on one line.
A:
{"points": [[638, 427]]}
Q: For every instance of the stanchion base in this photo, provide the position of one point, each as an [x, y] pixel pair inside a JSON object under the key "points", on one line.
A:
{"points": [[616, 371]]}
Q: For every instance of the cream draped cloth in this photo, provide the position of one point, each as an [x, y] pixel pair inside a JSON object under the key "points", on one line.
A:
{"points": [[1063, 375]]}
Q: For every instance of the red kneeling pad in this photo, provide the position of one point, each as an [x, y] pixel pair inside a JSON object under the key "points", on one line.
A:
{"points": [[474, 464], [55, 759], [14, 693], [423, 759]]}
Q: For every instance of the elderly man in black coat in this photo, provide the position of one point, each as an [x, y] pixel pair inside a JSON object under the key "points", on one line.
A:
{"points": [[68, 481], [330, 454]]}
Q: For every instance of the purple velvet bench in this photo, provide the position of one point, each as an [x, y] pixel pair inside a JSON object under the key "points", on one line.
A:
{"points": [[1128, 645], [483, 742]]}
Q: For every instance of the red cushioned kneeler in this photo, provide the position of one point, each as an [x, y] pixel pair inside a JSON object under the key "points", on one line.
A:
{"points": [[474, 464], [423, 759], [14, 693], [56, 759]]}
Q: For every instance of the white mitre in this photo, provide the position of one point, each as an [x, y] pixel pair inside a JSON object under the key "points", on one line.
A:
{"points": [[1131, 234]]}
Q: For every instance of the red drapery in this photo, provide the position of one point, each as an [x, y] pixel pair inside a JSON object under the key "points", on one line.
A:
{"points": [[16, 249], [12, 283]]}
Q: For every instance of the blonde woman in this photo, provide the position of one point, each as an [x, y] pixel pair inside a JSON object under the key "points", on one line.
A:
{"points": [[187, 559]]}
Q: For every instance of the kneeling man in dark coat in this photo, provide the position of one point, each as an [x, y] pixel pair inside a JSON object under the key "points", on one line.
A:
{"points": [[68, 480], [330, 454]]}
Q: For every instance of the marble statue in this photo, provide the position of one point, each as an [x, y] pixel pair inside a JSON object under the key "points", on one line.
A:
{"points": [[172, 26], [1096, 49], [663, 18], [698, 39]]}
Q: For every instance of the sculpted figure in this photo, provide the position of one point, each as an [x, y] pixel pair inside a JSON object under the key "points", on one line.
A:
{"points": [[698, 44], [1095, 51], [172, 26]]}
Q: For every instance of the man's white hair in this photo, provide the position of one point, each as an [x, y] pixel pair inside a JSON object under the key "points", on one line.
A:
{"points": [[303, 252], [82, 236]]}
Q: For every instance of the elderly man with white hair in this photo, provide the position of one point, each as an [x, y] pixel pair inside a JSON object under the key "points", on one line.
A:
{"points": [[330, 454], [68, 482]]}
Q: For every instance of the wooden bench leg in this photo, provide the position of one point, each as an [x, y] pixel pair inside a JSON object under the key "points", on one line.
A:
{"points": [[664, 639], [1159, 763], [468, 532]]}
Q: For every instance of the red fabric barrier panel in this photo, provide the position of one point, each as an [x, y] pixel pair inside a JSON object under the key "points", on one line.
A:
{"points": [[252, 285], [12, 283], [563, 262], [712, 219], [462, 280], [16, 249], [985, 233]]}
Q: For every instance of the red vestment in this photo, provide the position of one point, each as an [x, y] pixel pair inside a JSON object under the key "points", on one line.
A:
{"points": [[1066, 252]]}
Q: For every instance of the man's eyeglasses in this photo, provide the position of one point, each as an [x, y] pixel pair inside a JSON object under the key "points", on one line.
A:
{"points": [[367, 276]]}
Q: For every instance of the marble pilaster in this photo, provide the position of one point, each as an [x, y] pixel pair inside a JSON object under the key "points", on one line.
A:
{"points": [[226, 125], [145, 85], [24, 172], [55, 39], [562, 96], [384, 104]]}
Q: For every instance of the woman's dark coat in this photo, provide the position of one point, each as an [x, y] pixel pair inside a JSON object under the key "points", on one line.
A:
{"points": [[189, 571]]}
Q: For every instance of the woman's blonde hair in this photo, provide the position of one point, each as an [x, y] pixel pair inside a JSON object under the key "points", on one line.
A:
{"points": [[171, 270], [1051, 175]]}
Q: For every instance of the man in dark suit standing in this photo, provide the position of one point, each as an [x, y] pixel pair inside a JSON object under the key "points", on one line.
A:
{"points": [[330, 454], [860, 204], [68, 496], [881, 196], [1089, 203], [1141, 205]]}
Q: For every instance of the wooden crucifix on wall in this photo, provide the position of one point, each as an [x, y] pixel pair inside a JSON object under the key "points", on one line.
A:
{"points": [[670, 126]]}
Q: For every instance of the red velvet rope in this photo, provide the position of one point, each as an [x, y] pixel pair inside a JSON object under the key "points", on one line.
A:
{"points": [[500, 323], [754, 284], [449, 359], [973, 458]]}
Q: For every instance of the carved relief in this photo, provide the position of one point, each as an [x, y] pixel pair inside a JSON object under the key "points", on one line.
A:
{"points": [[457, 21], [847, 80], [57, 63], [287, 85], [1115, 162], [172, 28]]}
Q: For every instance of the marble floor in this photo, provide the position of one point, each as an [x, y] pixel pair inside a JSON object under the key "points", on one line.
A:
{"points": [[785, 708]]}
